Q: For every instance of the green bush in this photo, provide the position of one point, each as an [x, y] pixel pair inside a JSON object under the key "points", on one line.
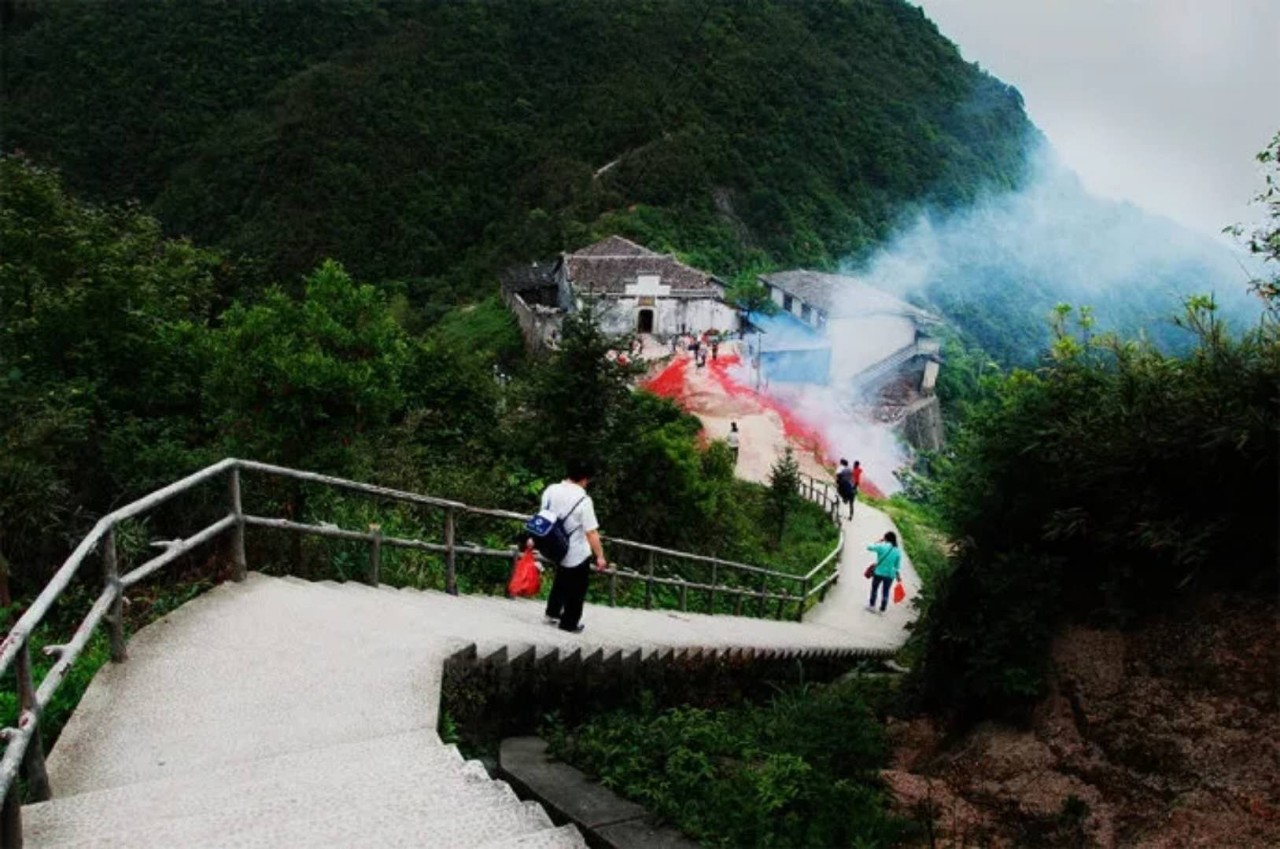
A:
{"points": [[1113, 482], [800, 771]]}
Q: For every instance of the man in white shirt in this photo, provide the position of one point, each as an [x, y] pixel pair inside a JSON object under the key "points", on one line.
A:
{"points": [[569, 499], [733, 440]]}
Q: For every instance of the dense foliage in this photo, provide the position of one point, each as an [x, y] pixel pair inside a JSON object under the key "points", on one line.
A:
{"points": [[1112, 482], [122, 371], [421, 142], [773, 775]]}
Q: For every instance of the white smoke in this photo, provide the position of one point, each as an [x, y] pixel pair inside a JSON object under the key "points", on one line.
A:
{"points": [[1007, 260]]}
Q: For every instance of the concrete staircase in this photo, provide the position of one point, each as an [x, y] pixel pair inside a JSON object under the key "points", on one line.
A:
{"points": [[281, 713], [278, 713], [402, 790]]}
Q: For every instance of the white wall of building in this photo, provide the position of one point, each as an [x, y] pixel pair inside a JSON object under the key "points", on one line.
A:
{"points": [[857, 343], [671, 315]]}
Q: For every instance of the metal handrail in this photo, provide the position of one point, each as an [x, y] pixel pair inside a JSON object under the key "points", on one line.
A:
{"points": [[24, 749]]}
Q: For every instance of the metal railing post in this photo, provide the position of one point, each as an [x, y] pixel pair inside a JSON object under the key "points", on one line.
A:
{"points": [[115, 616], [239, 565], [375, 555], [33, 761], [711, 593], [613, 586], [764, 589], [804, 596], [684, 598], [450, 555], [648, 584], [11, 819]]}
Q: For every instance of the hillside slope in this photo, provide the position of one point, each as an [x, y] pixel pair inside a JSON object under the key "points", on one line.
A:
{"points": [[421, 141], [1159, 737]]}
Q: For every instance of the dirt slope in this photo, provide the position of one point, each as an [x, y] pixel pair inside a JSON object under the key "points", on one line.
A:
{"points": [[1164, 738]]}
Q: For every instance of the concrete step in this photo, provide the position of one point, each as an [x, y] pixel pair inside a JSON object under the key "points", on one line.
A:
{"points": [[565, 837], [405, 751], [405, 787], [247, 672], [409, 815]]}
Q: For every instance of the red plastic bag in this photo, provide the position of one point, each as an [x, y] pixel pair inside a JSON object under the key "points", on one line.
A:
{"points": [[899, 593], [526, 580]]}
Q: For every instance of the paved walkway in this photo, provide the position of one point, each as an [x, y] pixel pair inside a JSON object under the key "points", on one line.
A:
{"points": [[266, 685]]}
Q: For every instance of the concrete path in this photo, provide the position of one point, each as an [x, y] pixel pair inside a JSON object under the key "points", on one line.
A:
{"points": [[283, 713]]}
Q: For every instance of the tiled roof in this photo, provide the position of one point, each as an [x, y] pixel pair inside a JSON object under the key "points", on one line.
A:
{"points": [[519, 278], [609, 266], [841, 295]]}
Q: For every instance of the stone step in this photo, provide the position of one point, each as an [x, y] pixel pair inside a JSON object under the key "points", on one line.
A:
{"points": [[320, 797], [251, 671], [400, 751], [565, 837], [409, 815]]}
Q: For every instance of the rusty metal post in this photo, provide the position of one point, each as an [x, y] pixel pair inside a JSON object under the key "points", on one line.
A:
{"points": [[239, 565], [764, 590], [804, 596], [737, 604], [613, 587], [648, 584], [450, 555], [375, 555], [33, 761], [11, 819], [115, 616], [711, 593], [684, 598]]}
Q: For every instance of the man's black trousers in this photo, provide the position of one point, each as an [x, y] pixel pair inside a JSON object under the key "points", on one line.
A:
{"points": [[568, 592]]}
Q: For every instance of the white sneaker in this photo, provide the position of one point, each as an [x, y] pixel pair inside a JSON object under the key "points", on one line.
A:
{"points": [[871, 608]]}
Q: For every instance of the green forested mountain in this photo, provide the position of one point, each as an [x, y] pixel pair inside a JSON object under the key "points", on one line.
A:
{"points": [[429, 142]]}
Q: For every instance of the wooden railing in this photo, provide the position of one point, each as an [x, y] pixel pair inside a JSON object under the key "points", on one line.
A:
{"points": [[24, 750]]}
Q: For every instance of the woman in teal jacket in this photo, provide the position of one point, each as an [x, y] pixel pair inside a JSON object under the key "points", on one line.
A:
{"points": [[888, 562]]}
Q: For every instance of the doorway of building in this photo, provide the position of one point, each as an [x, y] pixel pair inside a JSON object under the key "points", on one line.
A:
{"points": [[644, 323]]}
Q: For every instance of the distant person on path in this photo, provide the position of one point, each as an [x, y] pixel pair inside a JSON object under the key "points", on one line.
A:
{"points": [[569, 499], [715, 349], [885, 570], [732, 439], [845, 486]]}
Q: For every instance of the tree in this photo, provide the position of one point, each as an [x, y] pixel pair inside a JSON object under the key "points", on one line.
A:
{"points": [[1264, 241], [101, 349], [302, 382], [578, 395], [748, 295], [784, 484]]}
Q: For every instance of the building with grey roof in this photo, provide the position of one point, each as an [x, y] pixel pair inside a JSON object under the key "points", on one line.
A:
{"points": [[635, 290]]}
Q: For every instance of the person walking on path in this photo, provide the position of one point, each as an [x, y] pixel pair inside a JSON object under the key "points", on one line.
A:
{"points": [[569, 500], [885, 570], [733, 441], [845, 487]]}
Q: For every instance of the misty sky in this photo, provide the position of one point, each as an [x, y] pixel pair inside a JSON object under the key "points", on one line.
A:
{"points": [[1163, 103]]}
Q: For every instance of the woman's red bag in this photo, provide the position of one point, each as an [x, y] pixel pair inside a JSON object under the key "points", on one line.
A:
{"points": [[526, 580], [899, 592], [871, 570]]}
